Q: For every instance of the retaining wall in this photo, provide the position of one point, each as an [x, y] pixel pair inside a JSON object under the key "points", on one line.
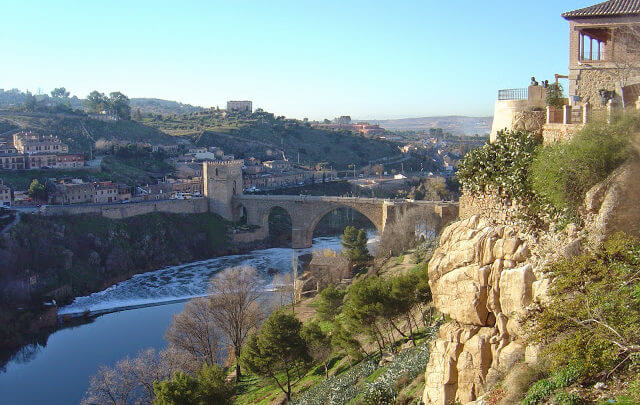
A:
{"points": [[119, 211]]}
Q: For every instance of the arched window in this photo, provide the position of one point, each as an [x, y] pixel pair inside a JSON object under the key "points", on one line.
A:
{"points": [[216, 171]]}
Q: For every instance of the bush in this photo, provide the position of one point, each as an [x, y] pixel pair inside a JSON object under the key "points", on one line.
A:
{"points": [[538, 392], [592, 319], [563, 398], [562, 173], [502, 165]]}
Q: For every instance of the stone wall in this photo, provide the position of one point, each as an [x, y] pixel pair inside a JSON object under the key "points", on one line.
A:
{"points": [[119, 211], [552, 133], [491, 206], [590, 81]]}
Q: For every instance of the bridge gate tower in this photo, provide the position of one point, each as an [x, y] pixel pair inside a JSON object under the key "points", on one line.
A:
{"points": [[222, 181]]}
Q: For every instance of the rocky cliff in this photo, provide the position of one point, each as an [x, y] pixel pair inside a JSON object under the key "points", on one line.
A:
{"points": [[484, 276], [488, 272]]}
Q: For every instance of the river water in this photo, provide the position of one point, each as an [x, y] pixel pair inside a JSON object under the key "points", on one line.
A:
{"points": [[134, 316]]}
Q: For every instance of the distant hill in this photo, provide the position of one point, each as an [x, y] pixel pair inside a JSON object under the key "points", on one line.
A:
{"points": [[457, 125], [164, 107]]}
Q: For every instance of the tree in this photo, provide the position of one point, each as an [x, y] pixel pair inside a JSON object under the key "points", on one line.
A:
{"points": [[60, 92], [354, 242], [97, 102], [330, 302], [193, 331], [30, 102], [403, 299], [37, 190], [367, 301], [555, 96], [119, 105], [235, 295], [277, 351], [129, 381], [344, 339], [318, 344], [207, 387], [138, 114]]}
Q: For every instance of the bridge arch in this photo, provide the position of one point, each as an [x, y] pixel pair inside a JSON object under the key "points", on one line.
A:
{"points": [[306, 212]]}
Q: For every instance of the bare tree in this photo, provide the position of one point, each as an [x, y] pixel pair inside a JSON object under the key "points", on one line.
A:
{"points": [[235, 306], [193, 331], [409, 228], [130, 381], [109, 387]]}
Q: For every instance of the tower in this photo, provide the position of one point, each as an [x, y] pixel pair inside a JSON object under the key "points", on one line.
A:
{"points": [[222, 181]]}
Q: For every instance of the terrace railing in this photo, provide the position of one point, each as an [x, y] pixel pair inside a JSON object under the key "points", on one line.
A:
{"points": [[513, 94]]}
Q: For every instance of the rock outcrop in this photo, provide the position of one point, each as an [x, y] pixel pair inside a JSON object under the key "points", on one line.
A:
{"points": [[484, 276]]}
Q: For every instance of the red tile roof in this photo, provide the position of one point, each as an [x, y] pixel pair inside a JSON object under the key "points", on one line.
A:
{"points": [[611, 8]]}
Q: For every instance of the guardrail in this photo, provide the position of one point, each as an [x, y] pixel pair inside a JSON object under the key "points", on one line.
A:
{"points": [[513, 94]]}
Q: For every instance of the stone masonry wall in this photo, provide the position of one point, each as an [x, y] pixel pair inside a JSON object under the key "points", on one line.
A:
{"points": [[119, 211]]}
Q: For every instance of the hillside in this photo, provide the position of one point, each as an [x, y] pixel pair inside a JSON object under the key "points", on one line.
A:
{"points": [[264, 136], [164, 107], [457, 125]]}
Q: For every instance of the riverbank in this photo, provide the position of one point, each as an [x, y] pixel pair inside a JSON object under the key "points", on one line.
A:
{"points": [[55, 259]]}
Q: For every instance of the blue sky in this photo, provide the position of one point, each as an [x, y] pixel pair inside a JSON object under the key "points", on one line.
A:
{"points": [[316, 59]]}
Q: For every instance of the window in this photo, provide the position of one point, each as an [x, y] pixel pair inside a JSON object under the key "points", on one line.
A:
{"points": [[592, 44]]}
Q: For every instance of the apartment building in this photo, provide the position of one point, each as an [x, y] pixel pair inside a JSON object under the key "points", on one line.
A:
{"points": [[5, 195]]}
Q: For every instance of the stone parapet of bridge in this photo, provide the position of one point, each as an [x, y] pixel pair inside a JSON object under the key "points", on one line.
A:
{"points": [[307, 211]]}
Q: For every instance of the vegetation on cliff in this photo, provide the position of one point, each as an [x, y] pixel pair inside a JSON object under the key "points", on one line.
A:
{"points": [[590, 325], [549, 180]]}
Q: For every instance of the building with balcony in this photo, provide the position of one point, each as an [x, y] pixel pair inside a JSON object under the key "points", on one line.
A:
{"points": [[604, 74], [604, 53]]}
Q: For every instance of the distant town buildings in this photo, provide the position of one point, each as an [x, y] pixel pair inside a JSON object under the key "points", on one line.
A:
{"points": [[240, 106], [5, 195], [33, 151], [344, 122], [30, 143]]}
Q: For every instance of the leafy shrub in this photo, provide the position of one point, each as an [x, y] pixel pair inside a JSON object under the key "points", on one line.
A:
{"points": [[502, 165], [593, 315], [555, 96], [562, 173]]}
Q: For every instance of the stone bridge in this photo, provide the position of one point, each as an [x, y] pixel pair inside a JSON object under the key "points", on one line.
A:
{"points": [[307, 211]]}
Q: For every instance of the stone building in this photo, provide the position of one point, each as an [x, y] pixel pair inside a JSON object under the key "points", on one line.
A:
{"points": [[11, 159], [325, 270], [604, 53], [105, 192], [72, 191], [240, 106], [29, 142]]}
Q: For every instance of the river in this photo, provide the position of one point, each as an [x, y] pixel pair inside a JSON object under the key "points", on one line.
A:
{"points": [[129, 316]]}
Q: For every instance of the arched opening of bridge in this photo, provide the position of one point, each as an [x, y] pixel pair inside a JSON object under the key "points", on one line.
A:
{"points": [[329, 228], [280, 227]]}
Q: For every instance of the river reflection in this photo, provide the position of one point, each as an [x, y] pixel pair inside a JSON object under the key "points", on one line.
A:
{"points": [[57, 370]]}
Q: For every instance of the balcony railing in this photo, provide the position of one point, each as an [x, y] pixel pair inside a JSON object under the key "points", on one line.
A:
{"points": [[513, 94]]}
